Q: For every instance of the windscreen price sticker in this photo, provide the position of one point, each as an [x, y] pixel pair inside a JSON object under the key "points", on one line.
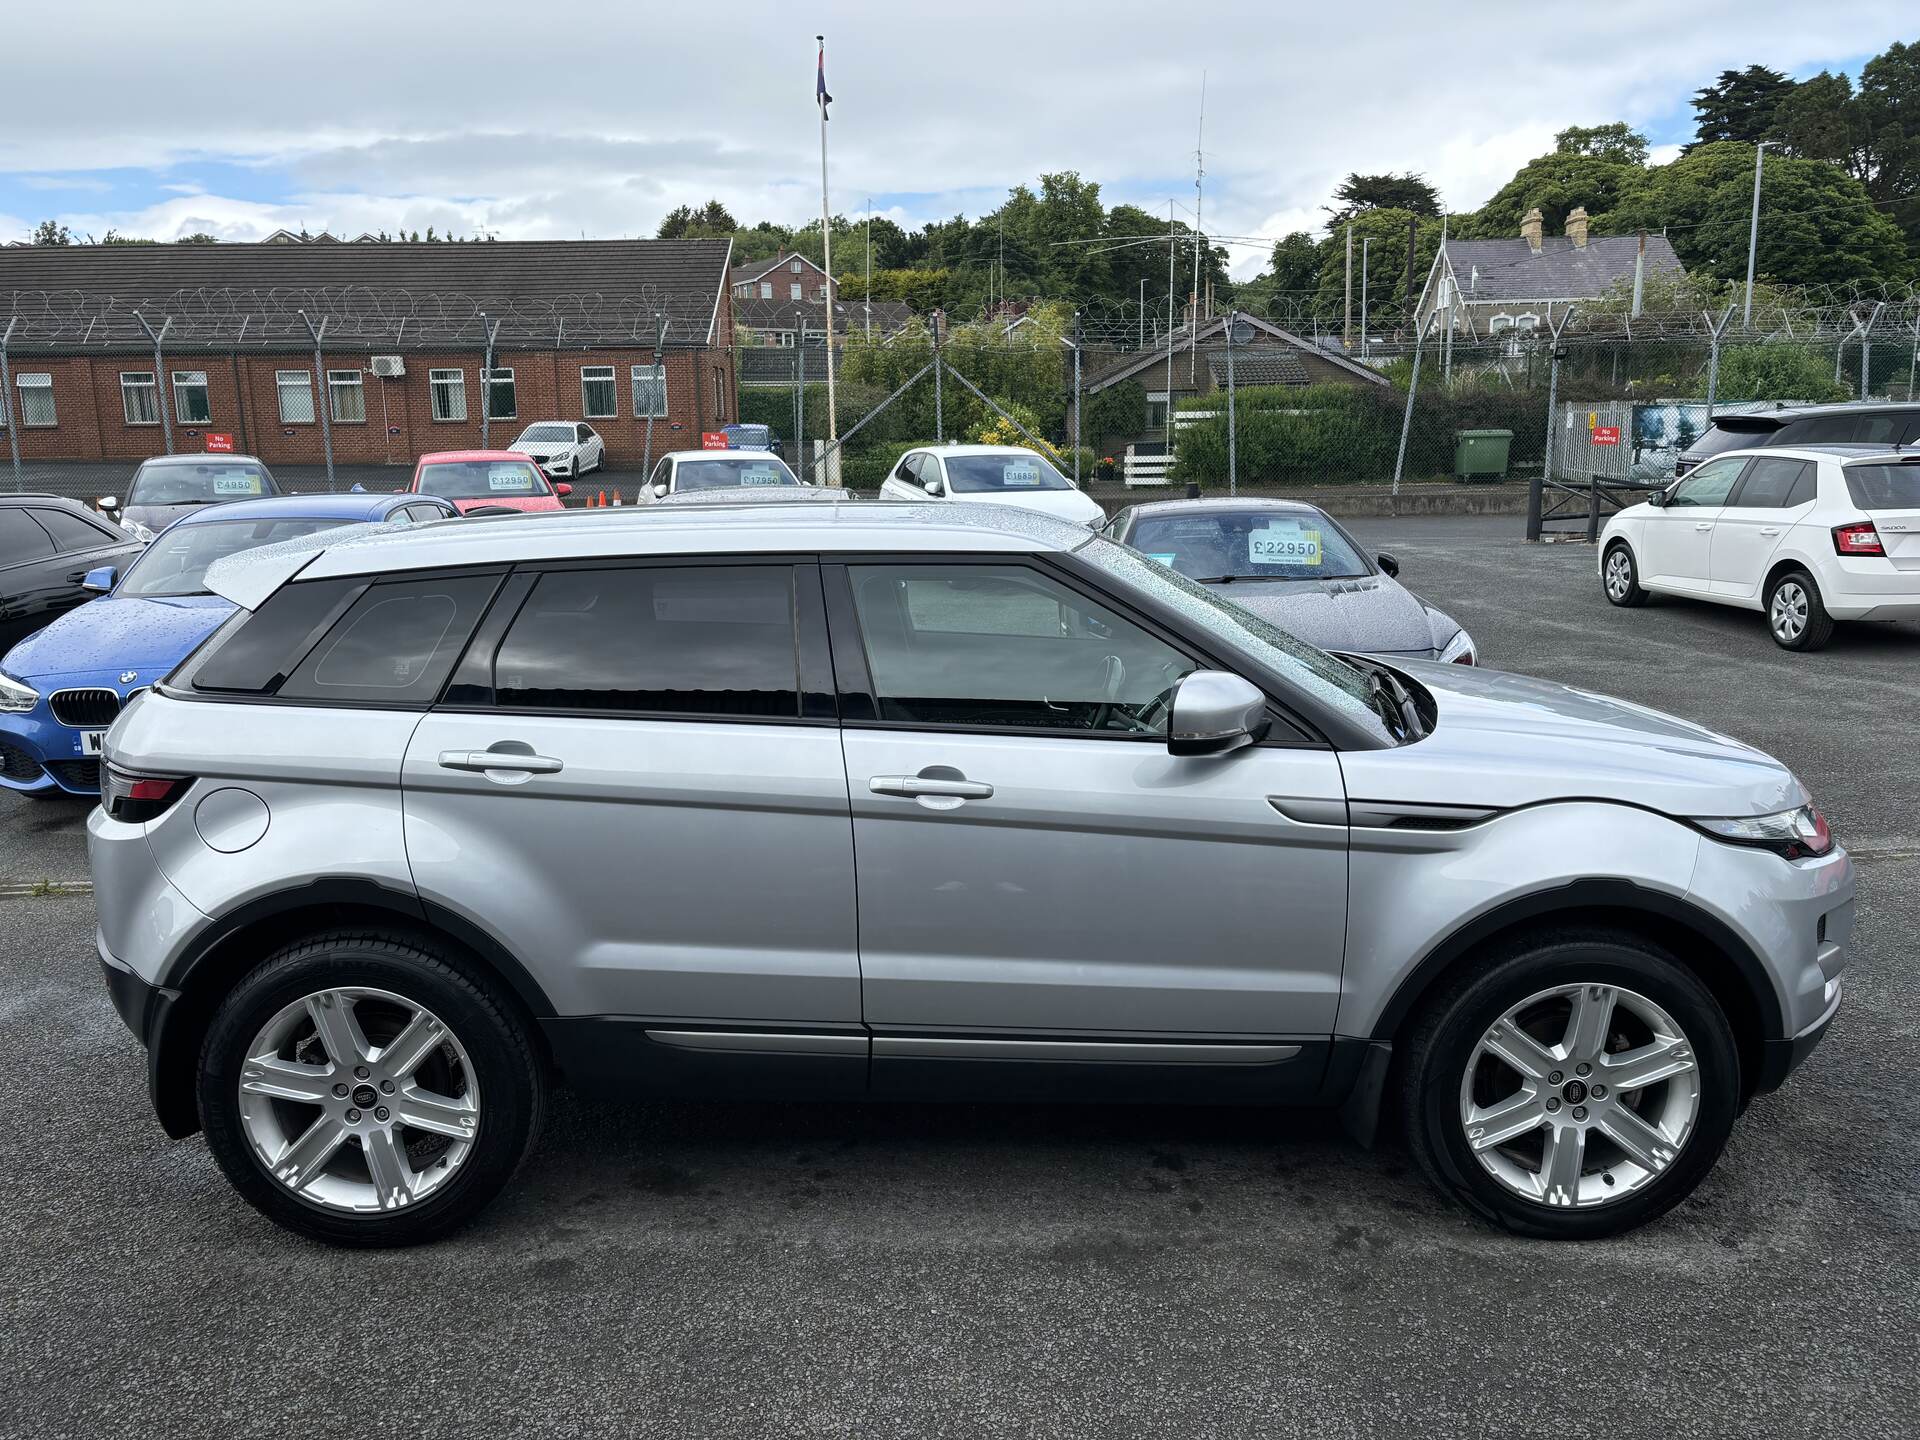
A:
{"points": [[236, 484], [1283, 545], [1021, 474]]}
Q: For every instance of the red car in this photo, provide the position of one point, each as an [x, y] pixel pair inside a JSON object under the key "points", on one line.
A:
{"points": [[482, 481]]}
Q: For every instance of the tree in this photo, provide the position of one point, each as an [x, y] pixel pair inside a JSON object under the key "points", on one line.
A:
{"points": [[1613, 141], [51, 232], [114, 237], [1555, 184], [1358, 193], [201, 237], [1386, 266], [1777, 372], [1740, 105], [711, 221]]}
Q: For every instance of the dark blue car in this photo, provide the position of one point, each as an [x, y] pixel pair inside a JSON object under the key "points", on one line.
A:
{"points": [[61, 687]]}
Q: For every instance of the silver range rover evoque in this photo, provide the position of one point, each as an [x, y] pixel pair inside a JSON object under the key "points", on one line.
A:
{"points": [[918, 802]]}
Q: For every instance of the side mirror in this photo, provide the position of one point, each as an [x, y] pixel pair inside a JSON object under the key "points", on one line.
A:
{"points": [[1389, 564], [109, 502], [932, 487], [99, 581], [660, 492], [1214, 712], [1657, 499], [562, 489]]}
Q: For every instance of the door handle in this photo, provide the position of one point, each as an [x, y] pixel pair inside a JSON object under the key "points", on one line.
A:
{"points": [[914, 787], [1769, 529], [1703, 525], [499, 760]]}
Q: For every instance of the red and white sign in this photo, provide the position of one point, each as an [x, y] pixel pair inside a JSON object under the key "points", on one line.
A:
{"points": [[1606, 434], [217, 440], [713, 440]]}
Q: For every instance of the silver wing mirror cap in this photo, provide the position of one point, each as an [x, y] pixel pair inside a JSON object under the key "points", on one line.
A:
{"points": [[1215, 712]]}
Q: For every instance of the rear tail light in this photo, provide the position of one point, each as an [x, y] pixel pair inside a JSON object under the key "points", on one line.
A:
{"points": [[1859, 538], [136, 798]]}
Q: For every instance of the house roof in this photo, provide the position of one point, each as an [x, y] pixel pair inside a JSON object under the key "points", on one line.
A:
{"points": [[391, 295], [1259, 365], [755, 269], [757, 314], [1213, 331], [1510, 269]]}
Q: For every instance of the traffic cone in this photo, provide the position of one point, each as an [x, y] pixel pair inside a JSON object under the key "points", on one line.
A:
{"points": [[616, 495], [603, 499]]}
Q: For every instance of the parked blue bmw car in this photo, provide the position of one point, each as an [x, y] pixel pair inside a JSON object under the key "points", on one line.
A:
{"points": [[61, 687]]}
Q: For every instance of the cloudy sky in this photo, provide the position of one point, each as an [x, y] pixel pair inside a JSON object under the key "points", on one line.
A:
{"points": [[559, 120]]}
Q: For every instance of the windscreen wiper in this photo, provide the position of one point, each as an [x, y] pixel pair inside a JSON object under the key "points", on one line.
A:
{"points": [[1402, 714]]}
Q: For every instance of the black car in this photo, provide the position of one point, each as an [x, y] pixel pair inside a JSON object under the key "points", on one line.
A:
{"points": [[47, 545], [1293, 565], [1854, 423]]}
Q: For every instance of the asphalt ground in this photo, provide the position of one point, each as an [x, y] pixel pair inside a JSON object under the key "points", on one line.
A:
{"points": [[979, 1270]]}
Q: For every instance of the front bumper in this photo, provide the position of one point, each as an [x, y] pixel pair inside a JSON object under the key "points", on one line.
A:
{"points": [[39, 754], [1780, 1058]]}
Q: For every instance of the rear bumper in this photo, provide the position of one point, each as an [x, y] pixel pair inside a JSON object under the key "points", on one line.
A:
{"points": [[134, 1000], [148, 1011]]}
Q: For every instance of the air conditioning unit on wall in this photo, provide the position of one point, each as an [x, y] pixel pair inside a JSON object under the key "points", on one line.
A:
{"points": [[389, 367]]}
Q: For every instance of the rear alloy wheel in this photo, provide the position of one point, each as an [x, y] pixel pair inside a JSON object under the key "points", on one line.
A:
{"points": [[1795, 616], [1575, 1089], [358, 1089], [1622, 581]]}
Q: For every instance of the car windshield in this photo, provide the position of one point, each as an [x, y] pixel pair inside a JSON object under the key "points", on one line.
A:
{"points": [[474, 479], [176, 563], [1249, 545], [1333, 682], [207, 482], [561, 434], [732, 472], [1009, 472], [1884, 487]]}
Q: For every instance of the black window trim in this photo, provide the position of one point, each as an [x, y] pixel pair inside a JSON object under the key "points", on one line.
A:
{"points": [[857, 707], [813, 666]]}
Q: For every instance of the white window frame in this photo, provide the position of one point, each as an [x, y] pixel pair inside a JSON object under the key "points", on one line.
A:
{"points": [[134, 383], [500, 375], [796, 266], [656, 374], [600, 374], [766, 289], [39, 382], [1498, 323], [341, 383], [793, 290], [1161, 398], [185, 381], [1529, 321], [295, 381], [449, 386]]}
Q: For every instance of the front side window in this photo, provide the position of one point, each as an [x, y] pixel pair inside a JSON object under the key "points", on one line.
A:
{"points": [[139, 398], [479, 479], [1709, 485], [449, 394], [36, 400], [347, 396], [502, 402], [177, 560], [1249, 545], [198, 482], [679, 640], [1770, 484], [190, 404], [649, 391], [598, 399], [1006, 472], [964, 646], [296, 396]]}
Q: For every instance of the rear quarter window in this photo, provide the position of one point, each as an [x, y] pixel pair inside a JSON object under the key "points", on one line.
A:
{"points": [[397, 643]]}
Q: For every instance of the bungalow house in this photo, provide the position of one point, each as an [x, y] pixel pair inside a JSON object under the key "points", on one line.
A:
{"points": [[1491, 287]]}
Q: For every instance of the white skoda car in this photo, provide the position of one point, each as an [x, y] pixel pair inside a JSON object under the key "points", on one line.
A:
{"points": [[993, 475]]}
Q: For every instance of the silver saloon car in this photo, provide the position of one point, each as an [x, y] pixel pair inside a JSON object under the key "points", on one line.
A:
{"points": [[435, 822]]}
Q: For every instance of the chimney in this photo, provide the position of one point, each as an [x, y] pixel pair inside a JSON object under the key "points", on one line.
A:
{"points": [[1577, 226], [1530, 229]]}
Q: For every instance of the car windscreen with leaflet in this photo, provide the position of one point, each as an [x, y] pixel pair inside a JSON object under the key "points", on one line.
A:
{"points": [[1249, 545], [472, 479], [726, 474], [1012, 473], [195, 484], [1884, 487]]}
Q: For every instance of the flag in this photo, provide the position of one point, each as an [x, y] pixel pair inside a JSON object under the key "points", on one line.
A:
{"points": [[820, 83]]}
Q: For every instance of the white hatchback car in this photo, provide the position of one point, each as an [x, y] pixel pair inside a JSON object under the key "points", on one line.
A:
{"points": [[992, 475], [689, 472], [1807, 536], [562, 447]]}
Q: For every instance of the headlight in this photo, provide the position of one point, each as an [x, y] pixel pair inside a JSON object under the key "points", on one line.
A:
{"points": [[15, 698], [1459, 650], [1793, 834], [136, 529]]}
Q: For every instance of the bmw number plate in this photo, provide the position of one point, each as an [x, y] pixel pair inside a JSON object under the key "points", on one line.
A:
{"points": [[93, 742]]}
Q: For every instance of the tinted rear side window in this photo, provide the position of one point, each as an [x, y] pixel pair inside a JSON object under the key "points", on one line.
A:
{"points": [[1884, 487], [683, 640], [70, 532], [21, 539], [1864, 428], [256, 656], [1770, 484], [397, 643], [1718, 438]]}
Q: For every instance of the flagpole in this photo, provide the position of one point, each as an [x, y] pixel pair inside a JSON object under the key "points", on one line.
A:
{"points": [[826, 254]]}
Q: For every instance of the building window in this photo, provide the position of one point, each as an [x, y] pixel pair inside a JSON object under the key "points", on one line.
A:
{"points": [[449, 394], [793, 290], [36, 399], [599, 400], [796, 267], [766, 289], [1526, 322], [296, 396], [139, 398], [649, 391], [502, 404], [346, 397], [719, 393], [190, 397], [821, 293], [1156, 410]]}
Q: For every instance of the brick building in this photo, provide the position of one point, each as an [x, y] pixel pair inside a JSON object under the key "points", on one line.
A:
{"points": [[785, 277], [404, 360]]}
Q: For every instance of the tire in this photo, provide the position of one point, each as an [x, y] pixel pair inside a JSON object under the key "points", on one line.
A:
{"points": [[1678, 1124], [1796, 617], [477, 1081], [1620, 578]]}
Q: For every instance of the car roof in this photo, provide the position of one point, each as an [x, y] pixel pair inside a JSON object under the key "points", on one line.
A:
{"points": [[443, 457], [32, 497], [201, 457], [344, 508], [1811, 452], [534, 424], [976, 450], [249, 577], [1782, 413], [1223, 502]]}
